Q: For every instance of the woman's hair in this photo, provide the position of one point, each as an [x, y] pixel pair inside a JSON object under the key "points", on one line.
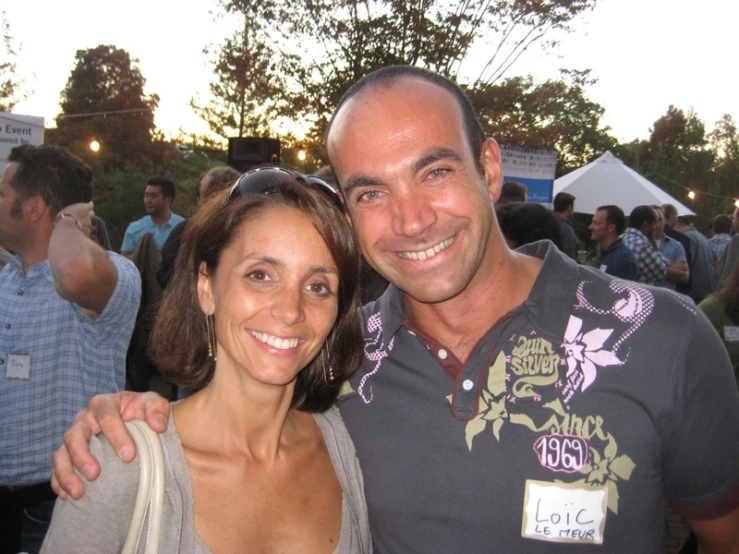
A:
{"points": [[729, 292], [178, 344]]}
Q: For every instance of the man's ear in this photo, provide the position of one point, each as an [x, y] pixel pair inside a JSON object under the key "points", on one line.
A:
{"points": [[493, 173], [205, 290], [36, 208]]}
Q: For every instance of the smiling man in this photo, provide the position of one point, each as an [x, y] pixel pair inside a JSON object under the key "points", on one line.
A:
{"points": [[509, 401]]}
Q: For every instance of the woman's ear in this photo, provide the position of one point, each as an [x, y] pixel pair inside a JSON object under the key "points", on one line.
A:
{"points": [[205, 290]]}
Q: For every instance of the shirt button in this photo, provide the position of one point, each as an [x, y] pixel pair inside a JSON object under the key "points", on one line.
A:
{"points": [[7, 325], [2, 361], [468, 385], [20, 292], [443, 354]]}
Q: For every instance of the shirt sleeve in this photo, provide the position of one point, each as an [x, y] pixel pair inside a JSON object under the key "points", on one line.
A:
{"points": [[120, 312], [701, 445], [99, 521], [653, 264]]}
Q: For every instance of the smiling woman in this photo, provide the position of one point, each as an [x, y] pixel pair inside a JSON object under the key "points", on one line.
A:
{"points": [[256, 460]]}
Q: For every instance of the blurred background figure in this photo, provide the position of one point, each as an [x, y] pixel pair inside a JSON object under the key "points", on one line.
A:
{"points": [[722, 309], [524, 223], [615, 257], [512, 192], [564, 210]]}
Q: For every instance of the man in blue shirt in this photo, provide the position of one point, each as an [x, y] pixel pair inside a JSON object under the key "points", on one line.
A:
{"points": [[564, 209], [160, 221], [67, 309], [615, 257], [677, 273]]}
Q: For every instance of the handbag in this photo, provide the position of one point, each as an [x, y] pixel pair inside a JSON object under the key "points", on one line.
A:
{"points": [[150, 494]]}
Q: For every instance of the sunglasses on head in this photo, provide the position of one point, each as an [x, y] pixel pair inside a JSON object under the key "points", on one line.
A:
{"points": [[262, 179]]}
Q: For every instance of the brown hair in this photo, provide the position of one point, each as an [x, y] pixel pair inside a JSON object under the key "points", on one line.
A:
{"points": [[178, 345]]}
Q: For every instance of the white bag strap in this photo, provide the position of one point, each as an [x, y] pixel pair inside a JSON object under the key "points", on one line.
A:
{"points": [[150, 494]]}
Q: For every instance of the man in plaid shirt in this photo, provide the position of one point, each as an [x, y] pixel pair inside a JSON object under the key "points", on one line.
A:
{"points": [[67, 309], [639, 237]]}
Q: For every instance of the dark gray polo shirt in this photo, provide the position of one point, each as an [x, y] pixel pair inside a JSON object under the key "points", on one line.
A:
{"points": [[573, 419]]}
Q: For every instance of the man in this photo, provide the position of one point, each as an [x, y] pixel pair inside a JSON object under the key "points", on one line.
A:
{"points": [[564, 209], [673, 251], [507, 400], [703, 273], [160, 221], [615, 257], [67, 309], [732, 250], [720, 240], [512, 192], [639, 238], [669, 211]]}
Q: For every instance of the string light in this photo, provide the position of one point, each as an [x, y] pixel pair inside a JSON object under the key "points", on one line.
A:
{"points": [[736, 204], [691, 195], [95, 146]]}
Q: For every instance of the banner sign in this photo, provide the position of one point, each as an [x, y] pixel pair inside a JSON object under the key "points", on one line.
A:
{"points": [[531, 167], [16, 130]]}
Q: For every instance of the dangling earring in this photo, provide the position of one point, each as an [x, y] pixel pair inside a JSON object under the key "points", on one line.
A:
{"points": [[210, 328], [324, 357]]}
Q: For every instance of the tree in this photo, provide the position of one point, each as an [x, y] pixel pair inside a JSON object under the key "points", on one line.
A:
{"points": [[554, 115], [326, 45], [104, 100], [246, 85], [11, 91]]}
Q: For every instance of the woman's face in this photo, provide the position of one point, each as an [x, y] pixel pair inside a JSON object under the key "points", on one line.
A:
{"points": [[274, 296]]}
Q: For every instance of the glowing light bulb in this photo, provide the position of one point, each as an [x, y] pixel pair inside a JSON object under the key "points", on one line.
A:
{"points": [[95, 146], [301, 155], [691, 195], [736, 203]]}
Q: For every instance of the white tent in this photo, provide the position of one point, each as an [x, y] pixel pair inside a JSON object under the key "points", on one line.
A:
{"points": [[608, 180]]}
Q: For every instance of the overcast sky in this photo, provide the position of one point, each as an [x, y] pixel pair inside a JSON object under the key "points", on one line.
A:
{"points": [[647, 54]]}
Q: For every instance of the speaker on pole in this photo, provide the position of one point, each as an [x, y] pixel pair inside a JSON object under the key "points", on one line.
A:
{"points": [[248, 152]]}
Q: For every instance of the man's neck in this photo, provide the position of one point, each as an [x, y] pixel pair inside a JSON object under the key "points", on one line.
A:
{"points": [[460, 322], [162, 218], [607, 242], [34, 252]]}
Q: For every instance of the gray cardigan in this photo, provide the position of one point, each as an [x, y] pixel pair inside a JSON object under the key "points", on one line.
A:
{"points": [[99, 521]]}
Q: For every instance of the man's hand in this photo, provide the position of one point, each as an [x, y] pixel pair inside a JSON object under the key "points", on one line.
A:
{"points": [[82, 212], [105, 413]]}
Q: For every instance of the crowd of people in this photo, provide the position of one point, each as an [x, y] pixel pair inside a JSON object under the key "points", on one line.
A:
{"points": [[497, 395]]}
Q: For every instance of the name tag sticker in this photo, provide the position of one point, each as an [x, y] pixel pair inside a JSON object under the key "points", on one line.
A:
{"points": [[731, 333], [19, 366], [561, 512], [603, 267]]}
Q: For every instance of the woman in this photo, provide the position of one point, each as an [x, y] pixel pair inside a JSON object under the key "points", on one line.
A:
{"points": [[262, 312], [722, 309]]}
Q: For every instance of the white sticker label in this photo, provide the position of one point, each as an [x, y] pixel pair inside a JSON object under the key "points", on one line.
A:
{"points": [[19, 366], [731, 333], [560, 512], [603, 267]]}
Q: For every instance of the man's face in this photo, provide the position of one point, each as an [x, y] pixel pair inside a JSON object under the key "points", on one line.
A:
{"points": [[659, 225], [420, 208], [154, 201], [648, 229], [12, 225], [599, 226]]}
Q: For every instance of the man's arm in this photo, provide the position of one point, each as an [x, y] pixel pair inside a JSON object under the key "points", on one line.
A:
{"points": [[104, 414], [678, 272], [716, 536], [653, 265], [82, 271]]}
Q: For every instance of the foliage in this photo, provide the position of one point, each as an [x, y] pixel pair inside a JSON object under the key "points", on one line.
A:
{"points": [[106, 84], [554, 115], [246, 88], [11, 86], [325, 45]]}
